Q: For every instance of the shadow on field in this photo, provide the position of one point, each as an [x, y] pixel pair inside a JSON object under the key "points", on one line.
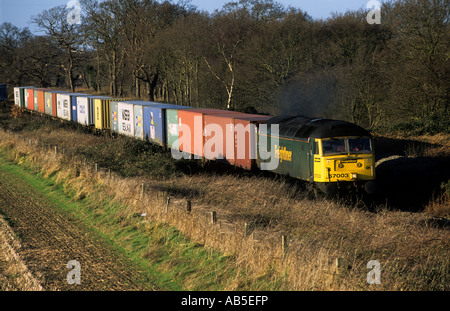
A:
{"points": [[386, 147], [407, 180]]}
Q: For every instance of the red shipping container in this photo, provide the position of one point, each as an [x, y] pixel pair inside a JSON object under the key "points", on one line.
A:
{"points": [[30, 98], [191, 126], [246, 142], [238, 143], [219, 137]]}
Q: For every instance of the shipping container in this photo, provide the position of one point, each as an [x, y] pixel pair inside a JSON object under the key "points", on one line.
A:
{"points": [[59, 103], [41, 99], [17, 99], [30, 98], [102, 110], [191, 126], [231, 138], [3, 92], [172, 128], [73, 99], [154, 125], [138, 107], [125, 112], [64, 108], [218, 137], [246, 136], [51, 103]]}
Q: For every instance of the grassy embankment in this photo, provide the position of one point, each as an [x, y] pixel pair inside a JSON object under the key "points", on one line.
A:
{"points": [[412, 250], [170, 260]]}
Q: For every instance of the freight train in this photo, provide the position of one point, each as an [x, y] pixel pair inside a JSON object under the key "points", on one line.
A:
{"points": [[331, 155]]}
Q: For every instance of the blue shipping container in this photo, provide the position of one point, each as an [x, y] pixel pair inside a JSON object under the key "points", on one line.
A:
{"points": [[154, 128], [155, 125], [3, 93]]}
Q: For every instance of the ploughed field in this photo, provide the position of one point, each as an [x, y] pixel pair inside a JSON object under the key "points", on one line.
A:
{"points": [[45, 241]]}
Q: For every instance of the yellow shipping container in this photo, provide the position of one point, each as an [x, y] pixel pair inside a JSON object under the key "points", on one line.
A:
{"points": [[102, 111]]}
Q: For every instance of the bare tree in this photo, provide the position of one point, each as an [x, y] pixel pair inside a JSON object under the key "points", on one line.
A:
{"points": [[67, 35]]}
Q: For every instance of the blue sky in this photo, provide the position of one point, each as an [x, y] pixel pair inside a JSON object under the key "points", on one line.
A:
{"points": [[19, 12]]}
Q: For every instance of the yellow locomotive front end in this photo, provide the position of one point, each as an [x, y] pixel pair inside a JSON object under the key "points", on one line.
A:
{"points": [[344, 163]]}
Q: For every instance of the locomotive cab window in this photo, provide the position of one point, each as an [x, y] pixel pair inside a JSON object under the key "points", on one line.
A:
{"points": [[359, 145], [334, 146]]}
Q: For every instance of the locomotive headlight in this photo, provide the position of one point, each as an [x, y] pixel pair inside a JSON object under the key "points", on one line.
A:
{"points": [[358, 164], [354, 175]]}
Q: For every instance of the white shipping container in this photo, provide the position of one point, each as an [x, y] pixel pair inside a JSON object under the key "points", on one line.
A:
{"points": [[63, 106], [85, 111], [17, 96], [126, 118], [66, 107], [59, 111]]}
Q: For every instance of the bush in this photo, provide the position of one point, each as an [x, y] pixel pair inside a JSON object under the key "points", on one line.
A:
{"points": [[432, 125], [445, 186]]}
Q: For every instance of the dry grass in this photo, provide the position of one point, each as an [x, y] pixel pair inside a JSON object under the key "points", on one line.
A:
{"points": [[414, 255]]}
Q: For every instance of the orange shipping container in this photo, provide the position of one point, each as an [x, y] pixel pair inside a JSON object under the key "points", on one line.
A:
{"points": [[41, 100], [237, 146], [191, 126]]}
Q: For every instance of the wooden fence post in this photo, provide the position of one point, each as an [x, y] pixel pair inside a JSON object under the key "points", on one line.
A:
{"points": [[164, 197], [246, 229], [284, 244], [213, 217], [167, 204], [188, 206]]}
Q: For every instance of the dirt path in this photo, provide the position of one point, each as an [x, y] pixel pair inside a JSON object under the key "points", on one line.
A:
{"points": [[49, 240]]}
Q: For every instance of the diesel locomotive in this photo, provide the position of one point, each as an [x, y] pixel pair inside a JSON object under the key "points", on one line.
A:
{"points": [[333, 155]]}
